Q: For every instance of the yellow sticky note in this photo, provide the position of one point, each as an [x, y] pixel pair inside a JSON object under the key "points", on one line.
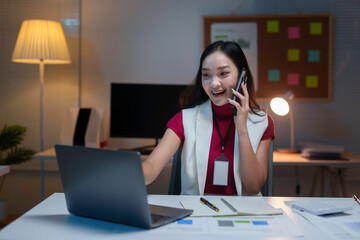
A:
{"points": [[312, 81], [293, 55], [316, 28], [272, 26]]}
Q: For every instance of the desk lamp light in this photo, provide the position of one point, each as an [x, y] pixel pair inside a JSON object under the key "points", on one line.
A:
{"points": [[41, 42], [280, 106]]}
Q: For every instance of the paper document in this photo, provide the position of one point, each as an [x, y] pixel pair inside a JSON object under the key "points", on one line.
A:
{"points": [[233, 227], [343, 226], [232, 207]]}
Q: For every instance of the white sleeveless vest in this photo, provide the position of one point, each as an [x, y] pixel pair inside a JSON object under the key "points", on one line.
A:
{"points": [[198, 125]]}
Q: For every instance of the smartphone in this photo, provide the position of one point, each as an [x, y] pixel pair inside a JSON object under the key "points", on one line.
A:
{"points": [[243, 78]]}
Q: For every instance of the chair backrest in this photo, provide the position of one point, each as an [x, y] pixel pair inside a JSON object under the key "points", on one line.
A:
{"points": [[267, 189], [175, 179], [84, 127]]}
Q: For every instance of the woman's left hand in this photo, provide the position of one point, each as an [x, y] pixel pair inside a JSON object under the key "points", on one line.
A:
{"points": [[242, 108]]}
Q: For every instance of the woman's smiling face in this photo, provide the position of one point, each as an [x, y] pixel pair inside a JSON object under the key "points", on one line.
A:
{"points": [[219, 76]]}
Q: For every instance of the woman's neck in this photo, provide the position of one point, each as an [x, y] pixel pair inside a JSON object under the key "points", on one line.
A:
{"points": [[222, 112]]}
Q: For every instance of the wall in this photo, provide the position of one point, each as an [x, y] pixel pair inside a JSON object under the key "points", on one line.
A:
{"points": [[157, 41], [160, 41], [20, 83], [20, 91]]}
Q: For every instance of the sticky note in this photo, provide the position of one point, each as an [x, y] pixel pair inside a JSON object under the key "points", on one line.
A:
{"points": [[274, 75], [311, 81], [316, 28], [314, 56], [272, 26], [293, 55], [293, 79], [293, 32]]}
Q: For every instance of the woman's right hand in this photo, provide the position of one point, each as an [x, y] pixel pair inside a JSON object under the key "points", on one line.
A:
{"points": [[242, 109], [162, 153]]}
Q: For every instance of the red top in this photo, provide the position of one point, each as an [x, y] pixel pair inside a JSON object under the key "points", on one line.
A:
{"points": [[224, 116]]}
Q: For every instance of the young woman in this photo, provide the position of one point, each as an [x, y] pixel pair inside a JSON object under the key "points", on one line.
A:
{"points": [[222, 153]]}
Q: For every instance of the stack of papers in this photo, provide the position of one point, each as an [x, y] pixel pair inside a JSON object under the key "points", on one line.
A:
{"points": [[317, 208], [232, 207], [313, 150]]}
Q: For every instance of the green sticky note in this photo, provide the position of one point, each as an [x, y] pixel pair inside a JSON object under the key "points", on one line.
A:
{"points": [[293, 55], [312, 81], [272, 26], [274, 75], [314, 56], [316, 28], [239, 221]]}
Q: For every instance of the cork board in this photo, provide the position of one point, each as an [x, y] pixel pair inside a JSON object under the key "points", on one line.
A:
{"points": [[285, 52]]}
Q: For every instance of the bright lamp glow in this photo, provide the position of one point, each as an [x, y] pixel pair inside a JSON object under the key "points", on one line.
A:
{"points": [[41, 41], [279, 106]]}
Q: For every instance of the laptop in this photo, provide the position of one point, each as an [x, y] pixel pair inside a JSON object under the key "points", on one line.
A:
{"points": [[109, 185]]}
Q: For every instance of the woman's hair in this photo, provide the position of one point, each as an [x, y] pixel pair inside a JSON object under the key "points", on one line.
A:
{"points": [[194, 94]]}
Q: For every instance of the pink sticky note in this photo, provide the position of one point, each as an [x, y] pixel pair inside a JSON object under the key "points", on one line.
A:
{"points": [[293, 32], [293, 79]]}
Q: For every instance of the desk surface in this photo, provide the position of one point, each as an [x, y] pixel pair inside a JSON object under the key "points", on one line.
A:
{"points": [[4, 169], [47, 154], [51, 220], [279, 159], [297, 159]]}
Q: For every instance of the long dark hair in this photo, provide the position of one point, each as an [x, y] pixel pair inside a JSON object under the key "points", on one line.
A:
{"points": [[194, 94]]}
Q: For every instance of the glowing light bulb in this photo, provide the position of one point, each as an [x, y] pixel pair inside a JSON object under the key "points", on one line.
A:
{"points": [[279, 106]]}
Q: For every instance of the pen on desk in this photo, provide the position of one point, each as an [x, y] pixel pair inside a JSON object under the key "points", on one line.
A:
{"points": [[356, 199], [229, 205], [209, 204]]}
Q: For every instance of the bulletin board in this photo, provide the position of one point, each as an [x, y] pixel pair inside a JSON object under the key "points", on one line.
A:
{"points": [[284, 52]]}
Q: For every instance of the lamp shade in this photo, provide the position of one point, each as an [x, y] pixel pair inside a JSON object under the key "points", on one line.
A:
{"points": [[41, 40]]}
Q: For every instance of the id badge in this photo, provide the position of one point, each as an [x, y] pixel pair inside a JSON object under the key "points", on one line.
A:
{"points": [[221, 171]]}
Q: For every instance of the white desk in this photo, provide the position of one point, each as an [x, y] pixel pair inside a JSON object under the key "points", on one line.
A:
{"points": [[4, 169], [51, 220], [335, 169]]}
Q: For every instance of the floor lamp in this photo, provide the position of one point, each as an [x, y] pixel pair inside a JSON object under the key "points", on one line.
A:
{"points": [[41, 42]]}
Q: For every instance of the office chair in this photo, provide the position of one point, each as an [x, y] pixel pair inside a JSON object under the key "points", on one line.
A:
{"points": [[267, 189], [175, 179]]}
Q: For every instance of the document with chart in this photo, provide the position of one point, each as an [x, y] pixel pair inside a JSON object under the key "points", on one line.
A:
{"points": [[260, 226]]}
